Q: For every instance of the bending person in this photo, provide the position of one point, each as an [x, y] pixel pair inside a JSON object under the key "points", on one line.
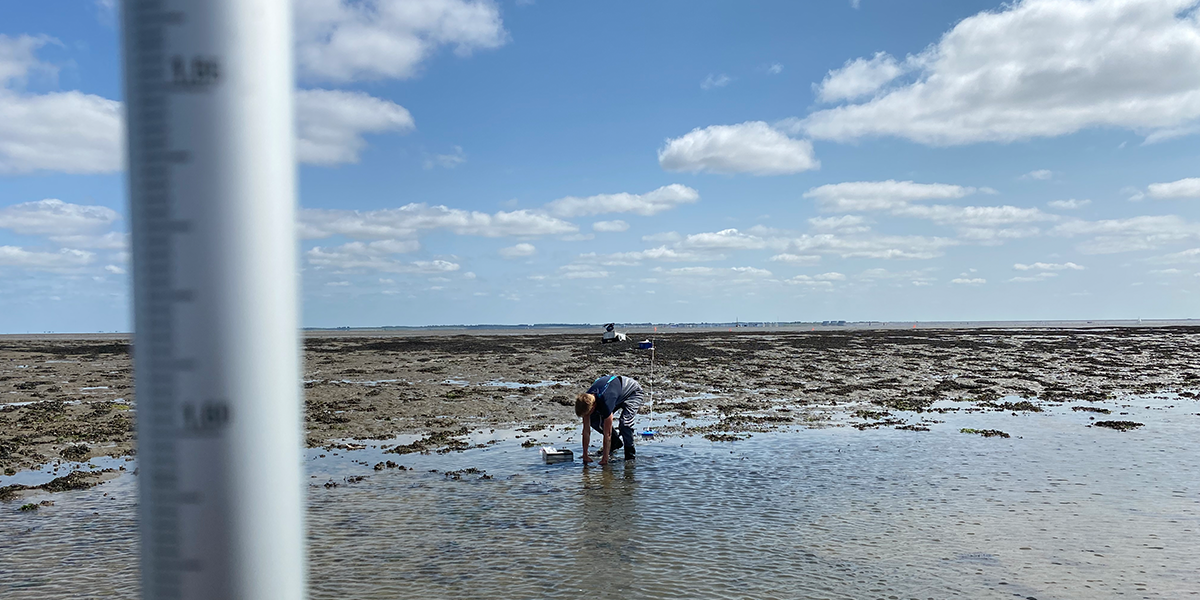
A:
{"points": [[598, 405]]}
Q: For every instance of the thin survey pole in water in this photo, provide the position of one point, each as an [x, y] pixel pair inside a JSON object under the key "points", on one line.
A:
{"points": [[209, 91], [650, 405]]}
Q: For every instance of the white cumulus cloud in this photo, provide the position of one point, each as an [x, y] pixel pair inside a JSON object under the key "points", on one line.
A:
{"points": [[1038, 68], [798, 259], [55, 217], [73, 132], [347, 40], [34, 260], [610, 226], [578, 271], [889, 247], [411, 219], [821, 280], [330, 124], [1041, 266], [69, 225], [1183, 188], [727, 274], [806, 247], [918, 277], [844, 224], [727, 239], [984, 224], [661, 253], [858, 77], [715, 81], [446, 161], [973, 216], [112, 240], [1044, 275], [1071, 204], [1189, 255], [752, 147], [69, 132], [18, 56], [650, 203], [518, 251], [854, 196], [669, 237], [357, 256], [1127, 235]]}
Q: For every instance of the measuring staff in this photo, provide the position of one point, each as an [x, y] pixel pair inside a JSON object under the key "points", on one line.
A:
{"points": [[209, 93]]}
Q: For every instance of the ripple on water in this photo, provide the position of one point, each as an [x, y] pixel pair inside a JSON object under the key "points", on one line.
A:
{"points": [[1059, 510]]}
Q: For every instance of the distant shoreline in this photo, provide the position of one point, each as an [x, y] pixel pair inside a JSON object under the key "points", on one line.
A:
{"points": [[650, 328]]}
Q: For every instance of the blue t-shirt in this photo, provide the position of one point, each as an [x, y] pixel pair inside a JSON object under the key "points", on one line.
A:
{"points": [[611, 391]]}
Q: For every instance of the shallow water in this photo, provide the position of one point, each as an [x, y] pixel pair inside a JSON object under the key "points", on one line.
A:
{"points": [[518, 385], [57, 469], [1059, 510]]}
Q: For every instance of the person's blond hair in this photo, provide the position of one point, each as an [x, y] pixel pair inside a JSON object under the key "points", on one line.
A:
{"points": [[584, 403]]}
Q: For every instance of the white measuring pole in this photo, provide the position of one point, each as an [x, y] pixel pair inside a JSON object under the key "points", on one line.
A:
{"points": [[212, 204], [650, 415]]}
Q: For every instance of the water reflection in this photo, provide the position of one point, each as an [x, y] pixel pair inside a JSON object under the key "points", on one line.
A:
{"points": [[606, 545], [1060, 510]]}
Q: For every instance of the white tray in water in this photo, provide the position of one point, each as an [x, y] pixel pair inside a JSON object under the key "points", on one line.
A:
{"points": [[551, 454]]}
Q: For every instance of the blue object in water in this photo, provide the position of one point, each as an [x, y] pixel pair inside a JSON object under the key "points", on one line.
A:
{"points": [[648, 433]]}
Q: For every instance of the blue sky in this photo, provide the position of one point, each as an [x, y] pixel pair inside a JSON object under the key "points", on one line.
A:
{"points": [[470, 161]]}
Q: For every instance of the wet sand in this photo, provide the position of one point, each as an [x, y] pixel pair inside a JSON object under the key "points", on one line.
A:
{"points": [[65, 400]]}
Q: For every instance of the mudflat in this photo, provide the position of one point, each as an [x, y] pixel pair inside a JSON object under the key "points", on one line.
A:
{"points": [[71, 399]]}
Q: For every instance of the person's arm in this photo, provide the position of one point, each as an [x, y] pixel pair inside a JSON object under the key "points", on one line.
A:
{"points": [[607, 440], [587, 435]]}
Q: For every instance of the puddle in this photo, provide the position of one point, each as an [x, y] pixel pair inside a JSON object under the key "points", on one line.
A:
{"points": [[1058, 510], [49, 472], [28, 402], [506, 384], [64, 402], [517, 384]]}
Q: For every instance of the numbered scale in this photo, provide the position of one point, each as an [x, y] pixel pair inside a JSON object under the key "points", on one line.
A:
{"points": [[212, 203]]}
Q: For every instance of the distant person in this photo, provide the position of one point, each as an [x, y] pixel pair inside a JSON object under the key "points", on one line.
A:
{"points": [[598, 405]]}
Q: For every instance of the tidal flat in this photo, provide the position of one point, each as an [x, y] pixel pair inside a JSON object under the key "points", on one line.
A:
{"points": [[842, 464]]}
